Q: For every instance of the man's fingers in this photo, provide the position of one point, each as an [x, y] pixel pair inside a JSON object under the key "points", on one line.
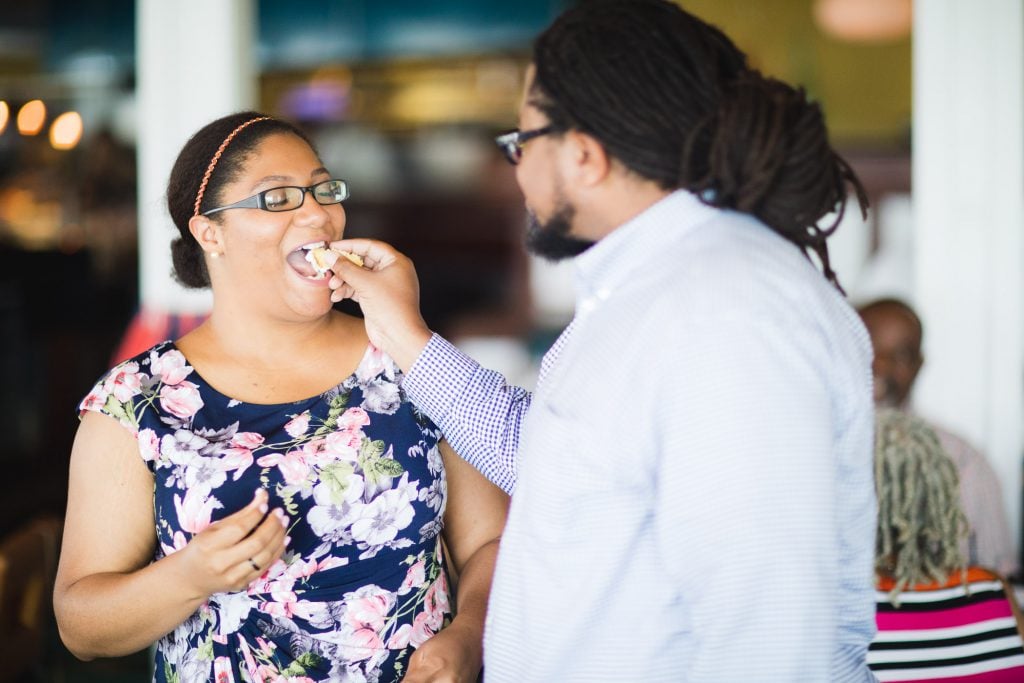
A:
{"points": [[374, 253]]}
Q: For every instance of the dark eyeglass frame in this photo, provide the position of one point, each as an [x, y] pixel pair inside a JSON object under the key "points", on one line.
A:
{"points": [[511, 143], [259, 200]]}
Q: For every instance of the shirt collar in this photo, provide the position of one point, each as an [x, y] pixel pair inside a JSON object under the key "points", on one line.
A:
{"points": [[602, 268]]}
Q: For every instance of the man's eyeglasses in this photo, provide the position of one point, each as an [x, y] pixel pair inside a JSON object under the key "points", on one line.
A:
{"points": [[511, 143], [290, 198]]}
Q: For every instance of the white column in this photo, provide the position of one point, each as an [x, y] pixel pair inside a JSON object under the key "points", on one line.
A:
{"points": [[195, 61], [968, 192]]}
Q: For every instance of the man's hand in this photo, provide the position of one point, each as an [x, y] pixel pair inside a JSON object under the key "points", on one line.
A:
{"points": [[388, 291]]}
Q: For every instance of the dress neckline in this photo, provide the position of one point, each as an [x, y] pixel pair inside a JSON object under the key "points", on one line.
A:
{"points": [[232, 401]]}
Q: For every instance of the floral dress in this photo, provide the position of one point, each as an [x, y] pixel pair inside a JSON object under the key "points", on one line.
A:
{"points": [[359, 475]]}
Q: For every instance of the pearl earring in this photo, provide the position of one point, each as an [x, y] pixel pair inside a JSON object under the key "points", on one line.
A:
{"points": [[214, 254]]}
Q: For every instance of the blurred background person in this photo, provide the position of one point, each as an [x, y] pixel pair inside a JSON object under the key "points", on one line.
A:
{"points": [[896, 335], [940, 618]]}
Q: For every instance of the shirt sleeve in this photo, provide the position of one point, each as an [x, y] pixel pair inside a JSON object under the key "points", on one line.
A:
{"points": [[766, 530], [478, 412]]}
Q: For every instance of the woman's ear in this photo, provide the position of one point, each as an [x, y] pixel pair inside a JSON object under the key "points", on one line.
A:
{"points": [[207, 234]]}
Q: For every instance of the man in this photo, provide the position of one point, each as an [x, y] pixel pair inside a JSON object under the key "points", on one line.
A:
{"points": [[896, 335], [692, 489]]}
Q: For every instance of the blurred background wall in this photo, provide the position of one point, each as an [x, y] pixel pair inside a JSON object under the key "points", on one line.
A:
{"points": [[403, 98]]}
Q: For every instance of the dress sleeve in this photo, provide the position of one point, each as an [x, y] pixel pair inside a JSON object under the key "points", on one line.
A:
{"points": [[478, 412]]}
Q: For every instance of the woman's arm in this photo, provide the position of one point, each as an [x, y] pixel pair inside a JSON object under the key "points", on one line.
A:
{"points": [[474, 519], [110, 598]]}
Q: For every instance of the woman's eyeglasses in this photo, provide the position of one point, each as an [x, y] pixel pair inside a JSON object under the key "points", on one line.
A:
{"points": [[511, 143], [290, 198]]}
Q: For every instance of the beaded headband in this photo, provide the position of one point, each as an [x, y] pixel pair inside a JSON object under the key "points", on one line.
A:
{"points": [[216, 158]]}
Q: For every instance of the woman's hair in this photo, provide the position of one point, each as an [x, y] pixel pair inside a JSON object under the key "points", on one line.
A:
{"points": [[673, 99], [195, 166], [920, 520]]}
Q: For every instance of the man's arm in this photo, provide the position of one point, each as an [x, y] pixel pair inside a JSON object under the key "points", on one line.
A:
{"points": [[478, 412]]}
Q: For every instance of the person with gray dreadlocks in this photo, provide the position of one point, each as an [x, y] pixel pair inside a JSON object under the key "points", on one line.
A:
{"points": [[692, 494], [938, 619]]}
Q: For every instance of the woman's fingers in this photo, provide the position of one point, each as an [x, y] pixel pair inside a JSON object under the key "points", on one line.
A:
{"points": [[234, 551]]}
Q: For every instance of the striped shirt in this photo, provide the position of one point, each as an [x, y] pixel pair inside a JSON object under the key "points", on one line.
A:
{"points": [[957, 633], [693, 491]]}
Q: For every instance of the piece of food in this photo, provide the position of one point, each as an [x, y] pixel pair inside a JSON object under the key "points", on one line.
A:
{"points": [[354, 258], [317, 257]]}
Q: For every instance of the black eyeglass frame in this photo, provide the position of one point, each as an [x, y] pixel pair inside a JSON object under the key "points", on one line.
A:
{"points": [[259, 200], [511, 143]]}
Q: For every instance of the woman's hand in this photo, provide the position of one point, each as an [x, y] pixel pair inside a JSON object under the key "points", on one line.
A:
{"points": [[453, 655], [233, 552]]}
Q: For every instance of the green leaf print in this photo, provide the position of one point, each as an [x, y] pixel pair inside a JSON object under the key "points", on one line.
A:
{"points": [[116, 409], [293, 669], [336, 476], [170, 674], [206, 650], [370, 450], [384, 467], [309, 659], [337, 407]]}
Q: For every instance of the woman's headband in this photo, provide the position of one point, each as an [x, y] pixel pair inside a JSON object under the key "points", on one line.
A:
{"points": [[216, 158]]}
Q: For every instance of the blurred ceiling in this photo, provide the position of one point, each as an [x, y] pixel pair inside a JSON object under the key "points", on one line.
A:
{"points": [[49, 46]]}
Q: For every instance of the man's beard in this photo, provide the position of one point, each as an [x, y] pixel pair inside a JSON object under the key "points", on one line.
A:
{"points": [[551, 240]]}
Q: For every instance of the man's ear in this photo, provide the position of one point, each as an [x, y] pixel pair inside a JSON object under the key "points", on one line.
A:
{"points": [[589, 159], [207, 234]]}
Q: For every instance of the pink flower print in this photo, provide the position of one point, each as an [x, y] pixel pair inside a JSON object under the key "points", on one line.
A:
{"points": [[283, 605], [237, 460], [436, 602], [195, 510], [363, 644], [248, 440], [331, 563], [292, 464], [170, 367], [149, 445], [343, 445], [96, 399], [352, 419], [421, 631], [414, 578], [373, 364], [298, 425], [368, 607], [124, 382], [222, 670], [179, 542], [400, 638], [294, 467], [182, 400]]}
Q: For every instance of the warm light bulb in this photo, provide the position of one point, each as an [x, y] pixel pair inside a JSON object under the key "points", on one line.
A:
{"points": [[66, 130], [865, 20], [31, 117], [5, 114]]}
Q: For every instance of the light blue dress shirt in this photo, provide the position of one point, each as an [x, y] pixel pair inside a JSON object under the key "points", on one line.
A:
{"points": [[693, 492]]}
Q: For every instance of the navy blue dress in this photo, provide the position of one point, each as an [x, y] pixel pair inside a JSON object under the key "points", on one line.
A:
{"points": [[360, 476]]}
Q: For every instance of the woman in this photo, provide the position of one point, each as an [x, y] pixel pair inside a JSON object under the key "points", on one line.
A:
{"points": [[937, 618], [298, 498]]}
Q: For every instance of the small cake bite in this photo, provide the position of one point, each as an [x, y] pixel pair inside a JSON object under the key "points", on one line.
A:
{"points": [[317, 257]]}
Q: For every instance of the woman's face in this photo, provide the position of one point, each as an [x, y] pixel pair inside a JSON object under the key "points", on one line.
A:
{"points": [[262, 262]]}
